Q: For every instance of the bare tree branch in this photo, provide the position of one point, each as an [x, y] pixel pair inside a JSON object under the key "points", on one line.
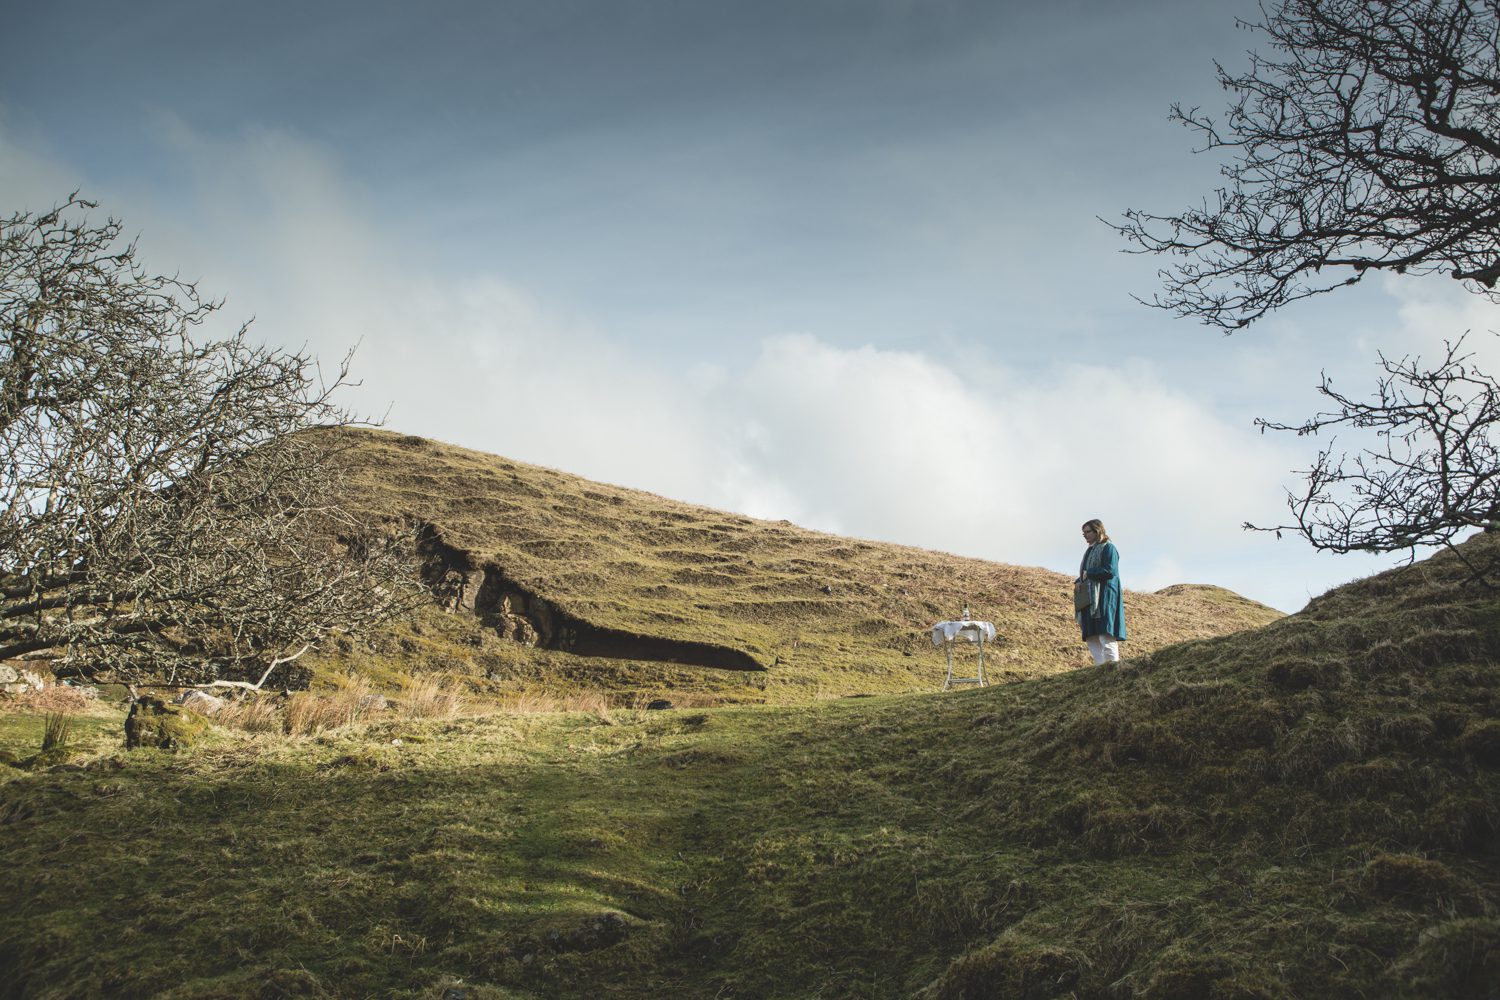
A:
{"points": [[1368, 140], [1428, 469], [170, 504]]}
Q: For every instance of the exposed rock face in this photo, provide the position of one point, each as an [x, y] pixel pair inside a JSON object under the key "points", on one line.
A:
{"points": [[460, 586], [511, 623], [512, 612], [456, 589], [447, 572]]}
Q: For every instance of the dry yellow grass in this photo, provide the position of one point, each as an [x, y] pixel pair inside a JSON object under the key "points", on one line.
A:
{"points": [[58, 699], [431, 697], [309, 712], [534, 703], [254, 714], [304, 713]]}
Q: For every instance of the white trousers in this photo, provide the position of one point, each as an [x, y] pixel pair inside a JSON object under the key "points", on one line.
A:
{"points": [[1105, 648]]}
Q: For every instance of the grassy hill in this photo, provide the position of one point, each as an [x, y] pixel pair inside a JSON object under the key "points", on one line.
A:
{"points": [[642, 596], [1310, 809]]}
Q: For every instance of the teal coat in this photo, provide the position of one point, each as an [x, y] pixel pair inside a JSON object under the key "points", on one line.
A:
{"points": [[1101, 564]]}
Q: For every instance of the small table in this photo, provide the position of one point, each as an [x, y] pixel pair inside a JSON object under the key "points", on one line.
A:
{"points": [[945, 634]]}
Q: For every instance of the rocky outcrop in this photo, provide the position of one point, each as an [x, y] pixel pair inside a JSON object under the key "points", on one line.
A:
{"points": [[514, 612], [22, 678], [447, 572], [460, 585]]}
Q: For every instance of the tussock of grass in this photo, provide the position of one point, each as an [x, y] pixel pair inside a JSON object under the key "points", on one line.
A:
{"points": [[307, 713], [56, 729], [592, 703], [431, 698], [254, 714]]}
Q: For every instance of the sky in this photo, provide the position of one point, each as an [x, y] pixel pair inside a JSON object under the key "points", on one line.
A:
{"points": [[840, 262]]}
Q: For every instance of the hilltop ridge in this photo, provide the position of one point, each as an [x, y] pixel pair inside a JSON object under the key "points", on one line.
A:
{"points": [[543, 573]]}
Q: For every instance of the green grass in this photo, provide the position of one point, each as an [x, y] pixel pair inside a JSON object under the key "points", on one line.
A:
{"points": [[824, 615], [1311, 809]]}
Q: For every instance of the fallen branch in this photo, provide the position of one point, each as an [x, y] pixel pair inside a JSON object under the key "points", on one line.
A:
{"points": [[246, 685]]}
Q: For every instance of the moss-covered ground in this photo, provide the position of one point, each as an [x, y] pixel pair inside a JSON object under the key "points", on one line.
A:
{"points": [[1310, 810]]}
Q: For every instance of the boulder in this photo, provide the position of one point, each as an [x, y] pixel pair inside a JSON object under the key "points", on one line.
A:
{"points": [[201, 702], [154, 723], [22, 676]]}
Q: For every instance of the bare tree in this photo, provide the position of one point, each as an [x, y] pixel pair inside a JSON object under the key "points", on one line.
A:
{"points": [[1432, 473], [169, 504], [1368, 140]]}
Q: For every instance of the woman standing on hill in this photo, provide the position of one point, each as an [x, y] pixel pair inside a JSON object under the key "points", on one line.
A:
{"points": [[1097, 597]]}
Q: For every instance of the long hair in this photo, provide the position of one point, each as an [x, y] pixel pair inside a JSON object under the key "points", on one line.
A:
{"points": [[1098, 526]]}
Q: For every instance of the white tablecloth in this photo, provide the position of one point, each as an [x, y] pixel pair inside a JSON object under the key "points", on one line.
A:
{"points": [[949, 631]]}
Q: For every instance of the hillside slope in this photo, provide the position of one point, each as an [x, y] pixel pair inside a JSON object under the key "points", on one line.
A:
{"points": [[1307, 810], [549, 575]]}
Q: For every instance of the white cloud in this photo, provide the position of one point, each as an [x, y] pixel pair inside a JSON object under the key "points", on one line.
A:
{"points": [[1160, 571], [1434, 310], [995, 462], [31, 179]]}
